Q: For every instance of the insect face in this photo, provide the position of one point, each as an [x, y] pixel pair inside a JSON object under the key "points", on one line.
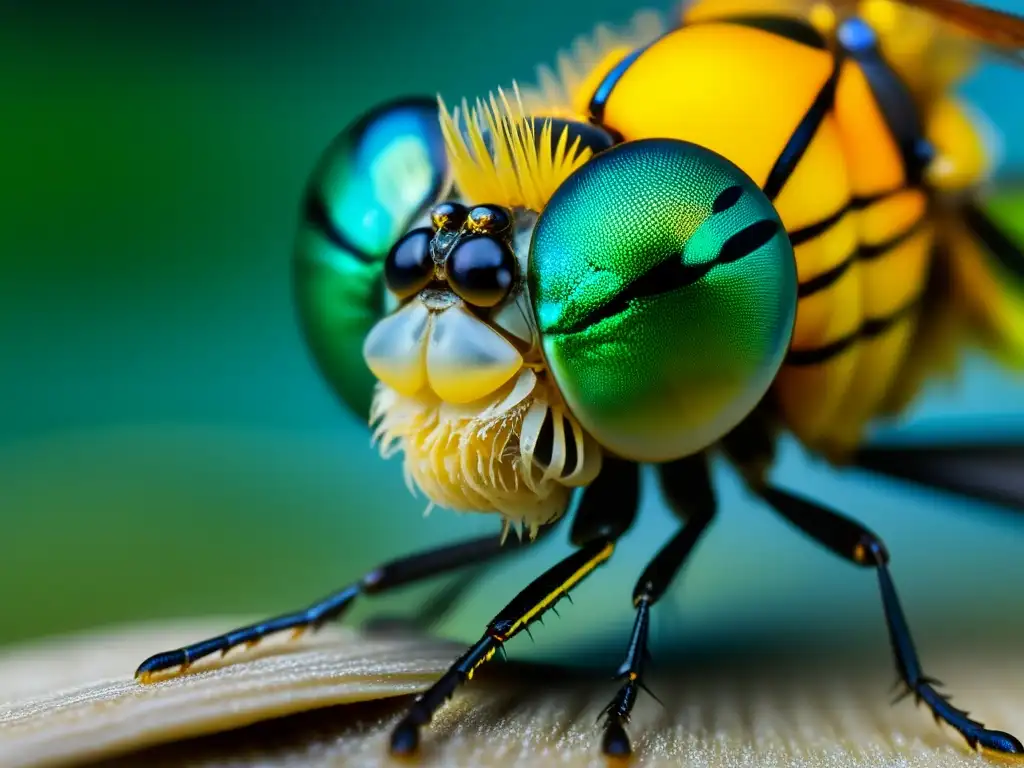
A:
{"points": [[463, 393], [453, 276]]}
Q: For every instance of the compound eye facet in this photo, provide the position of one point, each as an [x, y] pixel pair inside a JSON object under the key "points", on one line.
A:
{"points": [[409, 267], [665, 289], [482, 270]]}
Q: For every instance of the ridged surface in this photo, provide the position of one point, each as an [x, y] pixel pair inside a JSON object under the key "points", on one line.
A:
{"points": [[75, 702]]}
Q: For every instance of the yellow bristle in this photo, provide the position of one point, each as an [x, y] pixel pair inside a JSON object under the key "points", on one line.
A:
{"points": [[519, 169], [560, 90]]}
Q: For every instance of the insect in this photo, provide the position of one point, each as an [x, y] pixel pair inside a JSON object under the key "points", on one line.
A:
{"points": [[763, 218]]}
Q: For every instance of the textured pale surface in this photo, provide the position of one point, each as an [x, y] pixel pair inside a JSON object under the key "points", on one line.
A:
{"points": [[75, 701], [78, 698]]}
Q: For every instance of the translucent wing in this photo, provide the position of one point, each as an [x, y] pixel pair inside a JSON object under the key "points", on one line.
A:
{"points": [[975, 300], [999, 29]]}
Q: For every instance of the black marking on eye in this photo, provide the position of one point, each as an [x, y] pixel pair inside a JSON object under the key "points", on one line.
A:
{"points": [[673, 273], [727, 198], [804, 134], [747, 240], [316, 215], [995, 240], [870, 328]]}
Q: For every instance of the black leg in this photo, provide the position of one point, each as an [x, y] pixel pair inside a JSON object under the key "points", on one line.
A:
{"points": [[606, 510], [687, 487], [399, 572], [992, 473], [434, 609], [860, 546], [439, 605]]}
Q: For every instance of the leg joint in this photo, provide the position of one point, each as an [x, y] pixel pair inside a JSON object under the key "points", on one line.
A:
{"points": [[870, 551], [608, 505]]}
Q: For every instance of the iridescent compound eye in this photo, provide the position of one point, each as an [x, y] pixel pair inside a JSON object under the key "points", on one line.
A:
{"points": [[409, 267], [378, 176], [481, 270], [664, 287]]}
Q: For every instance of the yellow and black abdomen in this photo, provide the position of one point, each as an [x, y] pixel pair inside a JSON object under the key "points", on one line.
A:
{"points": [[830, 140]]}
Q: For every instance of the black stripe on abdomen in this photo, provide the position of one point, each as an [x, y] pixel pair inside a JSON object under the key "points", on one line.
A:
{"points": [[787, 27], [825, 279], [864, 252], [870, 328], [868, 252], [604, 90], [818, 228], [804, 134], [673, 273], [872, 251]]}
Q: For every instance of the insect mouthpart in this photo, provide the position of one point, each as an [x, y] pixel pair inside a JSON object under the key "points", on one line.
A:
{"points": [[463, 393], [464, 328]]}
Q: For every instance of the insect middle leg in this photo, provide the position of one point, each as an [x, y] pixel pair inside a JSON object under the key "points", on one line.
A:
{"points": [[857, 544], [406, 570], [687, 487], [606, 510]]}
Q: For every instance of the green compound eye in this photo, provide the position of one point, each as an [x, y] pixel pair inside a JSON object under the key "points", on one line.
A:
{"points": [[376, 178], [665, 290]]}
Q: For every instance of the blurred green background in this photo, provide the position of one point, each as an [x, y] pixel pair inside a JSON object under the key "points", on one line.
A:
{"points": [[166, 445]]}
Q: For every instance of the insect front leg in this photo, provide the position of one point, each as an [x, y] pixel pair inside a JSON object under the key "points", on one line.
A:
{"points": [[687, 487], [607, 509], [857, 544], [396, 573]]}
